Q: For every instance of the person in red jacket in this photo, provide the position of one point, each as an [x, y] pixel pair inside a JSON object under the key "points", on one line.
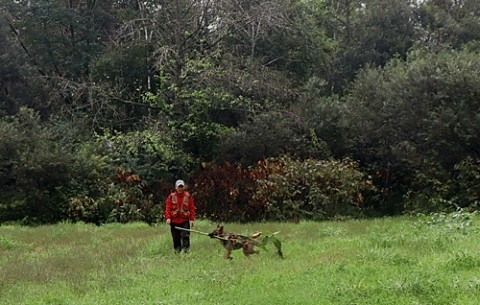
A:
{"points": [[180, 212]]}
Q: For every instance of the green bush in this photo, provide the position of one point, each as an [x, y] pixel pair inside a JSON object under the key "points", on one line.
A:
{"points": [[410, 118], [49, 172], [435, 190], [35, 169], [468, 183], [270, 134], [312, 189], [104, 166], [458, 220], [88, 210], [125, 199], [281, 189], [429, 191]]}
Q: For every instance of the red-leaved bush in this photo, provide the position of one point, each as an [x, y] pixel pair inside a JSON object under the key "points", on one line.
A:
{"points": [[281, 189], [224, 193]]}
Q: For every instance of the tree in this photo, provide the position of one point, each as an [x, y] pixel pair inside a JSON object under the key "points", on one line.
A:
{"points": [[21, 82], [415, 116], [369, 33], [267, 135], [61, 40], [450, 23], [254, 22], [34, 169]]}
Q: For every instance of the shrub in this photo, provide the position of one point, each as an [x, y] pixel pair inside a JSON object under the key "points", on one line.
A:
{"points": [[312, 189], [458, 220], [270, 134], [223, 193], [281, 189], [125, 199], [119, 173], [468, 183], [429, 191], [35, 169], [435, 190]]}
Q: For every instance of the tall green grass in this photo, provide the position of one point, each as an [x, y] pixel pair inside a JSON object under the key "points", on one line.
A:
{"points": [[382, 261]]}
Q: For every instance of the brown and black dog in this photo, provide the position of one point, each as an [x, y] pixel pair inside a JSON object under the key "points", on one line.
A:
{"points": [[231, 241]]}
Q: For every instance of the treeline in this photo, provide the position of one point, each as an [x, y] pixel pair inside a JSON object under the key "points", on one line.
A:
{"points": [[280, 110]]}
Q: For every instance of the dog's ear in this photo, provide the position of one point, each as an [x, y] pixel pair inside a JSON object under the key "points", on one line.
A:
{"points": [[221, 229]]}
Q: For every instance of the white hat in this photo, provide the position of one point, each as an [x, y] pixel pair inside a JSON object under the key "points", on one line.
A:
{"points": [[179, 182]]}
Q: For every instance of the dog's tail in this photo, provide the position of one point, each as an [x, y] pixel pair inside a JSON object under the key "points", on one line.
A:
{"points": [[275, 241], [278, 244]]}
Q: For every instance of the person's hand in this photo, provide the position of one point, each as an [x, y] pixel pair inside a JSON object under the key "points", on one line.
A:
{"points": [[191, 223], [168, 221]]}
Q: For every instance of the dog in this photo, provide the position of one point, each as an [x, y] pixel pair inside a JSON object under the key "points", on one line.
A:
{"points": [[232, 241]]}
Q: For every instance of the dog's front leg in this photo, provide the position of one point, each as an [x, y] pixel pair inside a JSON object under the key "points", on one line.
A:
{"points": [[228, 250]]}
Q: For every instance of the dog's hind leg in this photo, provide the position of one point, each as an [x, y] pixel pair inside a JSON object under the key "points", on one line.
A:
{"points": [[249, 249]]}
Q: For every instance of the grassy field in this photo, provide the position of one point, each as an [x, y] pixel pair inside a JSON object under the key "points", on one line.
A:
{"points": [[428, 260]]}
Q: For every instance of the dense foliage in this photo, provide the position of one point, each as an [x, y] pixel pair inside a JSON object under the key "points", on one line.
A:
{"points": [[281, 109]]}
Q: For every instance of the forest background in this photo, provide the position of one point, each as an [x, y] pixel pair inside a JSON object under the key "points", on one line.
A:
{"points": [[270, 110]]}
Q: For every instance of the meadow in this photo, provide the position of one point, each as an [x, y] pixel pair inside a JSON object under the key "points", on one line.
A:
{"points": [[404, 260]]}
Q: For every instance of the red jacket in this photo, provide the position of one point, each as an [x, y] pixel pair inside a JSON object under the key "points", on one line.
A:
{"points": [[179, 207]]}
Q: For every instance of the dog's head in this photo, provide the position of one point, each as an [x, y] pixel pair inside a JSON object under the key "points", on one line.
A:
{"points": [[217, 232]]}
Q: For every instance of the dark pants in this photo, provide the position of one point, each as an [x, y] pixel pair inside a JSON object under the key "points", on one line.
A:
{"points": [[181, 239]]}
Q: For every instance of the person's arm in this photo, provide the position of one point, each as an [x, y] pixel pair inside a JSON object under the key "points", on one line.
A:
{"points": [[191, 207], [168, 209]]}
